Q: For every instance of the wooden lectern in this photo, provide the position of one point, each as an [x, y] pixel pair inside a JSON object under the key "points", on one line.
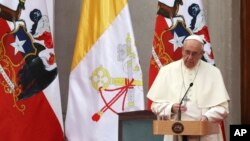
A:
{"points": [[167, 127]]}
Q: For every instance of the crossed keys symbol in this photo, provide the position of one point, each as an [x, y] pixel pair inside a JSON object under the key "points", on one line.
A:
{"points": [[101, 80]]}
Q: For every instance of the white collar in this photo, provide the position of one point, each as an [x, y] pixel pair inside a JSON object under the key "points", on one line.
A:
{"points": [[194, 69]]}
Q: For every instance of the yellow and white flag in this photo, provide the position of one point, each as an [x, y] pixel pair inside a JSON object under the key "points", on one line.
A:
{"points": [[106, 76]]}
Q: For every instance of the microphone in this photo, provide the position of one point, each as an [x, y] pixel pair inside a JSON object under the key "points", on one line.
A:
{"points": [[179, 110]]}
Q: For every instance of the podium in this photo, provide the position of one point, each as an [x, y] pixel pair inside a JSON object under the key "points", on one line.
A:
{"points": [[167, 127]]}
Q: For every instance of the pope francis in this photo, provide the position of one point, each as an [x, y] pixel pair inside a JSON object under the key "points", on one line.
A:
{"points": [[192, 88]]}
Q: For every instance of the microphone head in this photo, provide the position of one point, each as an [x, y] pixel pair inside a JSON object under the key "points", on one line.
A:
{"points": [[191, 84]]}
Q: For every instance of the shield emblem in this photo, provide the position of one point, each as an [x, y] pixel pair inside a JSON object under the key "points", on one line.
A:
{"points": [[17, 46], [172, 41]]}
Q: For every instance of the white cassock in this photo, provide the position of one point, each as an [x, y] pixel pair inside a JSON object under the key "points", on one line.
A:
{"points": [[208, 95]]}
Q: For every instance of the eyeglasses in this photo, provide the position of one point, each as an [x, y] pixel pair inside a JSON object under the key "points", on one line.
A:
{"points": [[191, 53]]}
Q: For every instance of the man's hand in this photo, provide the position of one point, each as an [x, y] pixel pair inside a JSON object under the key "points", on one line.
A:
{"points": [[204, 118], [176, 106]]}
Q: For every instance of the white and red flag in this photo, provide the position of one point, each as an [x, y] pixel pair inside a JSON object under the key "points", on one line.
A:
{"points": [[106, 77], [30, 103]]}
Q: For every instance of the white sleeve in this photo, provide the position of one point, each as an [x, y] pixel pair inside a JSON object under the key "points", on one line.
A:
{"points": [[217, 113], [162, 109]]}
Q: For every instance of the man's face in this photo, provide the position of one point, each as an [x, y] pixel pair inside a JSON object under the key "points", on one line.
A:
{"points": [[192, 52]]}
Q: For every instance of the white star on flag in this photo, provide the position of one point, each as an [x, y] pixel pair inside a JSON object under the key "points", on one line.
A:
{"points": [[177, 41], [18, 45]]}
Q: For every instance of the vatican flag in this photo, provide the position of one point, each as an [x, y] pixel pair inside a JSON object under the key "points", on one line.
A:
{"points": [[106, 77]]}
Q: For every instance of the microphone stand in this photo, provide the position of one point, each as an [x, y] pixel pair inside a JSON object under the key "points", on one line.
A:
{"points": [[179, 110]]}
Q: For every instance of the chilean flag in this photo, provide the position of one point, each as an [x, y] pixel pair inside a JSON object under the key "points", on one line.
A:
{"points": [[30, 103]]}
